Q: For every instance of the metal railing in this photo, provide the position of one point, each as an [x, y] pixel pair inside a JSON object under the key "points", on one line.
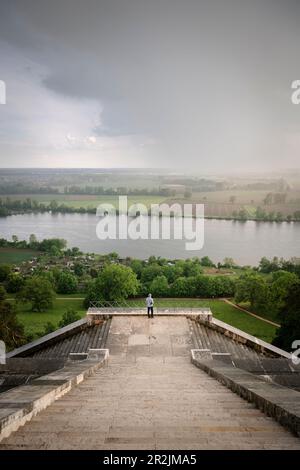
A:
{"points": [[111, 306]]}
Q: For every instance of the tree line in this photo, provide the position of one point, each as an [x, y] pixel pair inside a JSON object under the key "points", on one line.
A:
{"points": [[261, 214], [270, 288]]}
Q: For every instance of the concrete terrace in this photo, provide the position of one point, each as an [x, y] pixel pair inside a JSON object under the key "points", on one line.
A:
{"points": [[150, 396]]}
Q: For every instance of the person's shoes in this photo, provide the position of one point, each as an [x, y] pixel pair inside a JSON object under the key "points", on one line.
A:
{"points": [[149, 316]]}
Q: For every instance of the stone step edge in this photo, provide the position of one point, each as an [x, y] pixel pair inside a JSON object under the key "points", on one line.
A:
{"points": [[276, 401], [17, 406]]}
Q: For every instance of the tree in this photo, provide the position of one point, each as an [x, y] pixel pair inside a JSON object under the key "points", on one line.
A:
{"points": [[114, 283], [113, 256], [137, 266], [232, 199], [14, 283], [51, 245], [242, 214], [223, 286], [183, 287], [282, 283], [53, 205], [159, 287], [205, 286], [207, 262], [66, 283], [297, 215], [15, 239], [290, 319], [11, 330], [78, 269], [253, 288], [70, 316], [33, 241], [191, 267], [267, 266], [229, 262], [3, 294], [38, 291], [260, 214], [151, 272], [5, 270]]}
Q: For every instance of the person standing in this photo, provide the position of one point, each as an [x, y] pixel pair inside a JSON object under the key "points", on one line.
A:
{"points": [[150, 303]]}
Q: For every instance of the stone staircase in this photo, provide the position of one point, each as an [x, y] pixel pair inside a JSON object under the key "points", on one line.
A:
{"points": [[150, 396], [207, 338]]}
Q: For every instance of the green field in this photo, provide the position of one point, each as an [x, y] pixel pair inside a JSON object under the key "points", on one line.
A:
{"points": [[35, 322], [243, 196], [217, 204], [269, 315], [16, 255]]}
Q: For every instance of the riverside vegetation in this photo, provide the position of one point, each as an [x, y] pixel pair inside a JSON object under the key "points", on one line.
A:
{"points": [[57, 285]]}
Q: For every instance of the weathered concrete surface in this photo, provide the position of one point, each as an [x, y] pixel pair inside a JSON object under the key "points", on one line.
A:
{"points": [[21, 404], [279, 402], [151, 397]]}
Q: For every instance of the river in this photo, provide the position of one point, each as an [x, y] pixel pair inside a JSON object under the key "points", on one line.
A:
{"points": [[245, 242]]}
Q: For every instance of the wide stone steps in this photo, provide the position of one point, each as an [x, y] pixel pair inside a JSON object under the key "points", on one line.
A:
{"points": [[206, 338], [94, 337], [153, 401]]}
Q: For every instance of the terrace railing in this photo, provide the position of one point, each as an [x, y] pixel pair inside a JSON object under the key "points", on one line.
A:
{"points": [[104, 306]]}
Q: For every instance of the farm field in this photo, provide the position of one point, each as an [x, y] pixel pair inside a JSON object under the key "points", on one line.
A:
{"points": [[218, 204], [254, 197], [16, 255]]}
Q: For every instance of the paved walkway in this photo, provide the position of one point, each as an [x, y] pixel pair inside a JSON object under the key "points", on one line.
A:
{"points": [[150, 396]]}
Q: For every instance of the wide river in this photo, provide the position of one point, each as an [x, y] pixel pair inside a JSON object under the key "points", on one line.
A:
{"points": [[246, 242]]}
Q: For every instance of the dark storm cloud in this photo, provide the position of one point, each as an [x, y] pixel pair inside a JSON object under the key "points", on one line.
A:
{"points": [[208, 80]]}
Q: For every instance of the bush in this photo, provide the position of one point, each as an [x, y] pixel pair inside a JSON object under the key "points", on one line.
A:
{"points": [[49, 328], [70, 316], [14, 283], [66, 283], [150, 273], [183, 287], [205, 286], [5, 270], [159, 287]]}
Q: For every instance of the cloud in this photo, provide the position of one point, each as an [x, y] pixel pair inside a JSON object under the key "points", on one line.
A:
{"points": [[197, 85]]}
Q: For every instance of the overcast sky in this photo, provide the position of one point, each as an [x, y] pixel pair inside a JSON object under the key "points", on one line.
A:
{"points": [[193, 84]]}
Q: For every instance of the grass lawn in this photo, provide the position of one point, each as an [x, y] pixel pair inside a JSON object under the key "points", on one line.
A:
{"points": [[269, 315], [35, 322], [11, 255]]}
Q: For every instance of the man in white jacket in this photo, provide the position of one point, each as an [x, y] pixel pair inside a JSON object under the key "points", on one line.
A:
{"points": [[150, 303]]}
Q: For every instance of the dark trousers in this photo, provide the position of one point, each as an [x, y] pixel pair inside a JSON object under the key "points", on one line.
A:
{"points": [[150, 311]]}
